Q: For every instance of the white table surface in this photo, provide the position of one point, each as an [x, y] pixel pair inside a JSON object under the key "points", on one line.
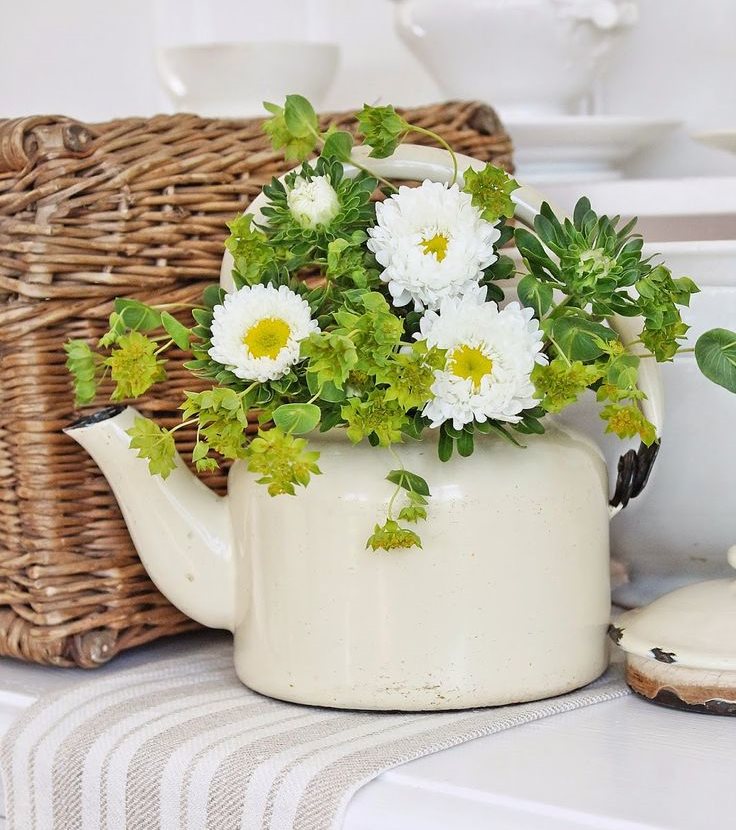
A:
{"points": [[621, 765]]}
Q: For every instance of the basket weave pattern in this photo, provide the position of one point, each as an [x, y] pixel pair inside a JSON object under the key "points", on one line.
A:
{"points": [[137, 208]]}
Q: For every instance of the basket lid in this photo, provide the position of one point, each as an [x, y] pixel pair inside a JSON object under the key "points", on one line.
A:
{"points": [[692, 627]]}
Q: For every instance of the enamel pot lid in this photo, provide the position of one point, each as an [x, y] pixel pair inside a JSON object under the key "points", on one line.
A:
{"points": [[681, 649]]}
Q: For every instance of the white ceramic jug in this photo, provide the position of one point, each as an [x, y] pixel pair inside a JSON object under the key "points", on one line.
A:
{"points": [[507, 601]]}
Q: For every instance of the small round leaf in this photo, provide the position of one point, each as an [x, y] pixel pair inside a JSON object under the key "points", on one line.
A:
{"points": [[297, 418]]}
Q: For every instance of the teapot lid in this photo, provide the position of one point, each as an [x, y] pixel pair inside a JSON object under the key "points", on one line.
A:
{"points": [[681, 649], [694, 626]]}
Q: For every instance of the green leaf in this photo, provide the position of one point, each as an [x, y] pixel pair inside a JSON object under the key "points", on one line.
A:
{"points": [[296, 147], [138, 316], [382, 128], [490, 189], [326, 391], [715, 353], [391, 536], [338, 145], [154, 444], [409, 481], [579, 338], [465, 444], [176, 331], [300, 117], [445, 446], [82, 364], [213, 295], [535, 294], [297, 418]]}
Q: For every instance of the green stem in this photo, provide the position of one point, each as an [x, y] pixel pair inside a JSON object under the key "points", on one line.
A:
{"points": [[184, 424], [553, 312], [397, 458], [559, 350], [358, 165], [443, 143], [164, 347]]}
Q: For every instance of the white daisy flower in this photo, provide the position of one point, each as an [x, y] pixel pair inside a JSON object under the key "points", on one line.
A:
{"points": [[490, 357], [432, 244], [257, 330], [313, 201]]}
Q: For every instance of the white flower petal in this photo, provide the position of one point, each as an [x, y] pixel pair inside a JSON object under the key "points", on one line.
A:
{"points": [[313, 202], [412, 218], [510, 338], [243, 309]]}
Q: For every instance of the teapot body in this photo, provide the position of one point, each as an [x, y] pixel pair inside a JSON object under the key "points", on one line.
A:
{"points": [[508, 600]]}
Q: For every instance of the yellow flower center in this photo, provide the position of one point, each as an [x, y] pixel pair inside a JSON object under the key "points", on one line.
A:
{"points": [[468, 362], [267, 337], [436, 245]]}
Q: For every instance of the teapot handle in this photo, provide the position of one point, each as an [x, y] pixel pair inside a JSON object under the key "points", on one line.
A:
{"points": [[414, 162]]}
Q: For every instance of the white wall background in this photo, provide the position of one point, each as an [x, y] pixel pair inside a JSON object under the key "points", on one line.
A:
{"points": [[95, 60]]}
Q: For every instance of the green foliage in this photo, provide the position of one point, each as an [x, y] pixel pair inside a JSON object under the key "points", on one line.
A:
{"points": [[391, 536], [177, 332], [299, 245], [715, 353], [626, 421], [83, 365], [374, 416], [376, 332], [579, 338], [363, 370], [491, 189], [409, 374], [600, 269], [254, 258], [292, 127], [297, 418], [331, 357], [155, 444], [382, 128], [535, 294], [282, 461], [338, 145], [222, 417], [560, 383], [348, 264], [409, 481], [134, 365]]}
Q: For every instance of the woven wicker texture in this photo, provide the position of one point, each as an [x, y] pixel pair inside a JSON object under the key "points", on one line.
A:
{"points": [[134, 207]]}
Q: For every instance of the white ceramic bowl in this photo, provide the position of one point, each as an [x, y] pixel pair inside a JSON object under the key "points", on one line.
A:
{"points": [[524, 56], [232, 80]]}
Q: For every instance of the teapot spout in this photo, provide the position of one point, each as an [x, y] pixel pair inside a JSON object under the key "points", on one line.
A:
{"points": [[180, 528]]}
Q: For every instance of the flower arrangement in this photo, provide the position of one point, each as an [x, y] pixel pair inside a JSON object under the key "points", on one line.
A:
{"points": [[382, 317]]}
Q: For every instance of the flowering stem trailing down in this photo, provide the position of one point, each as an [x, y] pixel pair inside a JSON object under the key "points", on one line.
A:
{"points": [[382, 320]]}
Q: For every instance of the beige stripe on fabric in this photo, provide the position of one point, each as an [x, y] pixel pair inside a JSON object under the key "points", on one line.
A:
{"points": [[148, 790], [82, 747], [241, 765], [182, 745], [59, 714], [75, 722]]}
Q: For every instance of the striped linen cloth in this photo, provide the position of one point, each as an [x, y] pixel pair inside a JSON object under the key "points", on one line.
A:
{"points": [[181, 743]]}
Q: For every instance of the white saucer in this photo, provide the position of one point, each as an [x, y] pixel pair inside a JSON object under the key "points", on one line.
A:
{"points": [[589, 147], [720, 139]]}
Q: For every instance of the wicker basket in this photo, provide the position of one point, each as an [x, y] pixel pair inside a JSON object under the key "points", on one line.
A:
{"points": [[135, 207]]}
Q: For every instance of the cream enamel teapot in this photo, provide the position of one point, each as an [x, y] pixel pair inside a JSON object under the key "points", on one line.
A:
{"points": [[507, 601]]}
